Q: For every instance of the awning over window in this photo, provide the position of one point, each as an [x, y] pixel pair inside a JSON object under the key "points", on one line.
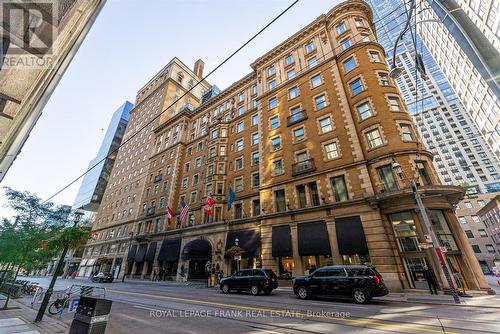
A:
{"points": [[350, 236], [131, 253], [150, 255], [199, 249], [169, 250], [282, 242], [313, 239], [141, 253], [249, 240]]}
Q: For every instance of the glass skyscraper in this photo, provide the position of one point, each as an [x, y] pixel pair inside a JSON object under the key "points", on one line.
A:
{"points": [[93, 184]]}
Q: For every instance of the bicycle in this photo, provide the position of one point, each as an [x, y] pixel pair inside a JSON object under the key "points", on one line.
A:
{"points": [[58, 306]]}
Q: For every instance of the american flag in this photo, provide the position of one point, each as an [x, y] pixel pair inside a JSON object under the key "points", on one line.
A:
{"points": [[170, 215], [184, 211]]}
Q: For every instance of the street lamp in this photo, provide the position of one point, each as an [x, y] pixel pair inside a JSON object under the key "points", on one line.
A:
{"points": [[77, 216], [131, 234], [396, 167], [238, 257]]}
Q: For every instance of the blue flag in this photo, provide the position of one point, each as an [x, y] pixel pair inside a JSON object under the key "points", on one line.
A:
{"points": [[230, 198]]}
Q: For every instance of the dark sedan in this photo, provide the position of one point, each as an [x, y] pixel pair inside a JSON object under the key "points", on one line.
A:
{"points": [[359, 283], [102, 278], [253, 280]]}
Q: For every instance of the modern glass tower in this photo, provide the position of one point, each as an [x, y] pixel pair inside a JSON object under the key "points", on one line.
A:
{"points": [[93, 184], [461, 154]]}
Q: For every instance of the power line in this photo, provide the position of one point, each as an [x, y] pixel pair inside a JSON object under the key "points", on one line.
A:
{"points": [[184, 94]]}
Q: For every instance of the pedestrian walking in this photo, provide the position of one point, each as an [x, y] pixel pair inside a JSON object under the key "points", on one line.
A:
{"points": [[430, 277]]}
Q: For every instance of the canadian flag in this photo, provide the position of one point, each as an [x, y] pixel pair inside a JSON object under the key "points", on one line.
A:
{"points": [[209, 203]]}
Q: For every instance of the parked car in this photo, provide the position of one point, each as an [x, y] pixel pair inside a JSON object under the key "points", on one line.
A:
{"points": [[102, 278], [359, 283], [253, 280]]}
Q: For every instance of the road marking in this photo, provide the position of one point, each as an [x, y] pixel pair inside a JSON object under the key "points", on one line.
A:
{"points": [[319, 316]]}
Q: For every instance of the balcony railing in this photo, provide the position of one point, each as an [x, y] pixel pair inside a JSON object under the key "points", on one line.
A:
{"points": [[296, 117], [150, 211], [302, 167]]}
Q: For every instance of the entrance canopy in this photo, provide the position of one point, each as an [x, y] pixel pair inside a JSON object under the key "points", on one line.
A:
{"points": [[249, 240], [199, 249], [141, 253], [313, 239], [169, 250], [131, 253], [350, 236], [150, 255], [282, 242]]}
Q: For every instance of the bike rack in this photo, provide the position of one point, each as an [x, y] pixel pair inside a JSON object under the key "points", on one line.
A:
{"points": [[37, 296]]}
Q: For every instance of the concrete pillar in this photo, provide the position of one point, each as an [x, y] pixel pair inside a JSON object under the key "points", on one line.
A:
{"points": [[332, 237], [299, 269]]}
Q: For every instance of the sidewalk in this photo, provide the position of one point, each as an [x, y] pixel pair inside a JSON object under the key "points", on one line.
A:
{"points": [[19, 320]]}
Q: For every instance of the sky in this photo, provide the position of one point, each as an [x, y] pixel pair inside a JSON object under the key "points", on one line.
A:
{"points": [[128, 44]]}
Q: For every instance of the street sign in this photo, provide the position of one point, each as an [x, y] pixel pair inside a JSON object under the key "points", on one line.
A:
{"points": [[73, 304], [424, 245]]}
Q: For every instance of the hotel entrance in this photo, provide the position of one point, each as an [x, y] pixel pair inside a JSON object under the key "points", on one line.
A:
{"points": [[198, 252]]}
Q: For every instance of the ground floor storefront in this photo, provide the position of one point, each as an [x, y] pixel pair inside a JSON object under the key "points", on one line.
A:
{"points": [[296, 244]]}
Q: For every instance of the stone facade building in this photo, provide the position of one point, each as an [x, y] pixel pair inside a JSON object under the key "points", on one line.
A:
{"points": [[306, 141]]}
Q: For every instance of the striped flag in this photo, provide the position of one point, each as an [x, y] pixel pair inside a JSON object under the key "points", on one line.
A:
{"points": [[209, 203], [170, 214], [184, 211]]}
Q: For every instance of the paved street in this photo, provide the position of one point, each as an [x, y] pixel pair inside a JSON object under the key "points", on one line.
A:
{"points": [[151, 308]]}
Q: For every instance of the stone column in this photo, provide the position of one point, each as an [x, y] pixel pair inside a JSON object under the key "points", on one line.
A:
{"points": [[298, 270], [332, 237]]}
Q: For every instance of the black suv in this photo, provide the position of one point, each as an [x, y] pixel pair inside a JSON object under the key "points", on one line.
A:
{"points": [[253, 280], [359, 283], [102, 278]]}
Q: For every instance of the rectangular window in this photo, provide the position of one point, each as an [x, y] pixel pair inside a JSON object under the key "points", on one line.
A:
{"points": [[313, 191], [374, 56], [356, 86], [365, 110], [280, 202], [301, 196], [219, 188], [272, 84], [271, 70], [290, 74], [341, 28], [222, 150], [309, 47], [359, 22], [482, 233], [241, 110], [278, 167], [325, 125], [383, 78], [346, 43], [298, 135], [256, 207], [476, 249], [238, 184], [289, 60], [340, 188], [255, 158], [490, 248], [331, 151], [276, 144], [387, 178], [407, 134], [374, 139], [316, 81], [239, 164], [273, 103], [239, 127], [469, 234], [255, 180], [275, 122], [394, 104], [255, 138], [349, 64], [254, 89], [293, 93], [312, 62], [238, 211], [320, 102], [239, 145], [255, 120]]}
